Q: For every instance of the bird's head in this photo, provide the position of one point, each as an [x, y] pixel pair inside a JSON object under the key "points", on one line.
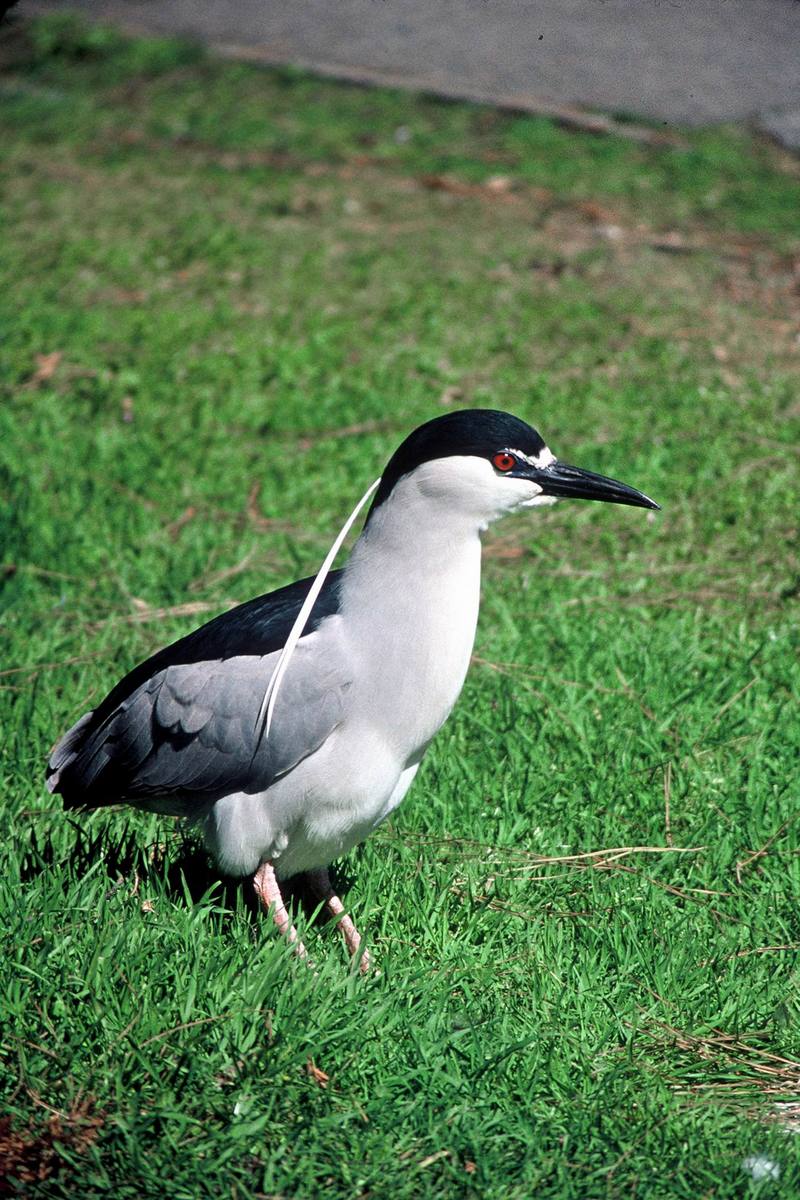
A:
{"points": [[483, 463]]}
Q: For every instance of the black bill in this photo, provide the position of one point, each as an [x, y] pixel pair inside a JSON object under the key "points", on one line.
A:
{"points": [[560, 479]]}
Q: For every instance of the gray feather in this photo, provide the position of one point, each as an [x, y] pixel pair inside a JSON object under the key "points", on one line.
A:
{"points": [[66, 751], [192, 731]]}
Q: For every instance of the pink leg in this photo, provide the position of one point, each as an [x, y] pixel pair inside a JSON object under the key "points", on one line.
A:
{"points": [[269, 893], [320, 884]]}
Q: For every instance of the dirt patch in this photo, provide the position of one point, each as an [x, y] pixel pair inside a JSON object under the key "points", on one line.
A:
{"points": [[36, 1152]]}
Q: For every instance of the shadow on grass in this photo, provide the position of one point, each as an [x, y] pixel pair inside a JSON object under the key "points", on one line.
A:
{"points": [[179, 866]]}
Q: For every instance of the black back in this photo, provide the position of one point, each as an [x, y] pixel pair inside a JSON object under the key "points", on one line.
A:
{"points": [[475, 431], [259, 626]]}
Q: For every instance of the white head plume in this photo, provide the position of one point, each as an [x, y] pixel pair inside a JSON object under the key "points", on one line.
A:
{"points": [[296, 632]]}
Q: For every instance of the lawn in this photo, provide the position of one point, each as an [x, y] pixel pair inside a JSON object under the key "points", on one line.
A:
{"points": [[227, 293]]}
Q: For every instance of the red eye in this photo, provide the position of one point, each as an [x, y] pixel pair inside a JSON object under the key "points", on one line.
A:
{"points": [[504, 462]]}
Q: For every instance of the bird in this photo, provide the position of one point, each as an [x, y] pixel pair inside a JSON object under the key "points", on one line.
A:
{"points": [[370, 660]]}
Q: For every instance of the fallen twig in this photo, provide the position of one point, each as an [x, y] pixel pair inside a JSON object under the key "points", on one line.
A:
{"points": [[588, 858], [772, 1074], [706, 962], [309, 441], [35, 668], [203, 582], [189, 609], [743, 863]]}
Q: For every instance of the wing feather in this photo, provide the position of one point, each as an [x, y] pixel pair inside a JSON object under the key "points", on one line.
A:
{"points": [[191, 734], [187, 717]]}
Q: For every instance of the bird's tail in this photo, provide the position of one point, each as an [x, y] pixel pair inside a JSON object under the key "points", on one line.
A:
{"points": [[66, 751]]}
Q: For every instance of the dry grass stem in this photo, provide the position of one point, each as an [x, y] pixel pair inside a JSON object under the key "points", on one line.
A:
{"points": [[190, 609]]}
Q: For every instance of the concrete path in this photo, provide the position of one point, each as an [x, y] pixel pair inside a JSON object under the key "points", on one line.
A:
{"points": [[676, 61]]}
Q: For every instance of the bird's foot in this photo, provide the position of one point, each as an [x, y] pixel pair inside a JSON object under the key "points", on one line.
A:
{"points": [[320, 884], [269, 893]]}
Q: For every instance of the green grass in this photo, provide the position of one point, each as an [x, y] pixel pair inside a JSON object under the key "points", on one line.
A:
{"points": [[251, 285]]}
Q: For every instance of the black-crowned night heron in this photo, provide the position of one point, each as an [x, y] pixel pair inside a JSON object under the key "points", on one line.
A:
{"points": [[290, 734]]}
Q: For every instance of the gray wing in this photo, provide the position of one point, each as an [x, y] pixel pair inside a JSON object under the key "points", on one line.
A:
{"points": [[194, 732]]}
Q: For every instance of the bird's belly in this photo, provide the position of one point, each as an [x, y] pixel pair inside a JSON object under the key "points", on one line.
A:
{"points": [[323, 808], [331, 831]]}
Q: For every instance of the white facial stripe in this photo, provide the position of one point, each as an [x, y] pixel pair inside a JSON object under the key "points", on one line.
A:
{"points": [[545, 458]]}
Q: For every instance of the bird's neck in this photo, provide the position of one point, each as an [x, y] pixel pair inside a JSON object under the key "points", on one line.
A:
{"points": [[410, 594]]}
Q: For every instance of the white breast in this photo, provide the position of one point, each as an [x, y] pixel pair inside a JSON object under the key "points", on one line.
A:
{"points": [[410, 599]]}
